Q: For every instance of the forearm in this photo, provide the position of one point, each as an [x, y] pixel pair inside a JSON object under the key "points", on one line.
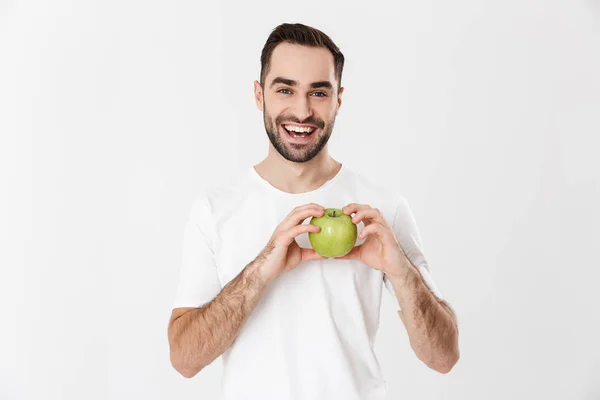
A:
{"points": [[201, 335], [430, 323]]}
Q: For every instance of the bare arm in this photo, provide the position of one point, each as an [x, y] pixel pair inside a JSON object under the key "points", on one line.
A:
{"points": [[197, 336], [430, 323]]}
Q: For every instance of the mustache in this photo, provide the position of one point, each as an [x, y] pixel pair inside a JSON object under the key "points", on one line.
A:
{"points": [[312, 121]]}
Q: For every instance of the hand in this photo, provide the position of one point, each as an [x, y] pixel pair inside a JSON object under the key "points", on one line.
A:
{"points": [[381, 249], [282, 253]]}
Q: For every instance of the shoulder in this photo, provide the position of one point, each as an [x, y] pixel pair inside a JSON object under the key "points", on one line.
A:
{"points": [[391, 194], [214, 200]]}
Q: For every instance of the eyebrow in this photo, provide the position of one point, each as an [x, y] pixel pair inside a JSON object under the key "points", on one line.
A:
{"points": [[291, 82]]}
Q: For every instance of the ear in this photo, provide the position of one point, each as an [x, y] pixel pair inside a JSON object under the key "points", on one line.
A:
{"points": [[258, 95], [339, 101]]}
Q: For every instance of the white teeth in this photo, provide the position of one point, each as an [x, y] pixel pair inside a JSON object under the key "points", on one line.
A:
{"points": [[298, 129]]}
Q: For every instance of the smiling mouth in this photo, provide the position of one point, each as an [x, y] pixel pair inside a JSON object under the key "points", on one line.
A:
{"points": [[299, 131]]}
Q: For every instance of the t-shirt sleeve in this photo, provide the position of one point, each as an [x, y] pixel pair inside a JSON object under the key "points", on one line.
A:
{"points": [[198, 278], [409, 237]]}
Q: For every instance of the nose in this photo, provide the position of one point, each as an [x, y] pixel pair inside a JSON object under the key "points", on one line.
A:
{"points": [[302, 108]]}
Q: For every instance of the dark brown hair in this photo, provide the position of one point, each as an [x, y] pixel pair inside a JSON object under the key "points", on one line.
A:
{"points": [[303, 35]]}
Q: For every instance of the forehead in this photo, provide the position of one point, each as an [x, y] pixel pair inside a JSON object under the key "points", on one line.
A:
{"points": [[301, 63]]}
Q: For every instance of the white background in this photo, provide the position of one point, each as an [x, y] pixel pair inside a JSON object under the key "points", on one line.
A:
{"points": [[114, 114]]}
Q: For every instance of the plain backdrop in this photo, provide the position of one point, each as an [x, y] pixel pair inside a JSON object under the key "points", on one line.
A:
{"points": [[115, 114]]}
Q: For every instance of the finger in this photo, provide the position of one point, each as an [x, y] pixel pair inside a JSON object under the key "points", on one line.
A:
{"points": [[354, 207], [311, 254], [296, 217], [372, 229], [353, 255], [369, 215], [288, 236], [300, 229]]}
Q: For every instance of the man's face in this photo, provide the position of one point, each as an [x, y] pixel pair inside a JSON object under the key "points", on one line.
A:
{"points": [[300, 92]]}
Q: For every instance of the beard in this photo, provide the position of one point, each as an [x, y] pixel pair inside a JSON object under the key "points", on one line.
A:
{"points": [[294, 152]]}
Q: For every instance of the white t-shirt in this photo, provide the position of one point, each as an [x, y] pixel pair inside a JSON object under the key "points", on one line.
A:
{"points": [[311, 336]]}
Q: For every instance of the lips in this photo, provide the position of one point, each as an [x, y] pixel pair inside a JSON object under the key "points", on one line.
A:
{"points": [[305, 138]]}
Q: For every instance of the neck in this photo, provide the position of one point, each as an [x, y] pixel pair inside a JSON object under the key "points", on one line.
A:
{"points": [[294, 177]]}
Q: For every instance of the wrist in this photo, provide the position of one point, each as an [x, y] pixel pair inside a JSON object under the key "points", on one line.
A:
{"points": [[258, 272], [405, 277]]}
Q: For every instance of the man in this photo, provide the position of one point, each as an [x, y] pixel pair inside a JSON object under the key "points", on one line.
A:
{"points": [[289, 323]]}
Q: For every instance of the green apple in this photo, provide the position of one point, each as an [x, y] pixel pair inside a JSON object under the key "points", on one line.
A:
{"points": [[337, 235]]}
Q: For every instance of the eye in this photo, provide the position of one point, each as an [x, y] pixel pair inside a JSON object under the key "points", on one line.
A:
{"points": [[279, 91], [323, 94]]}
